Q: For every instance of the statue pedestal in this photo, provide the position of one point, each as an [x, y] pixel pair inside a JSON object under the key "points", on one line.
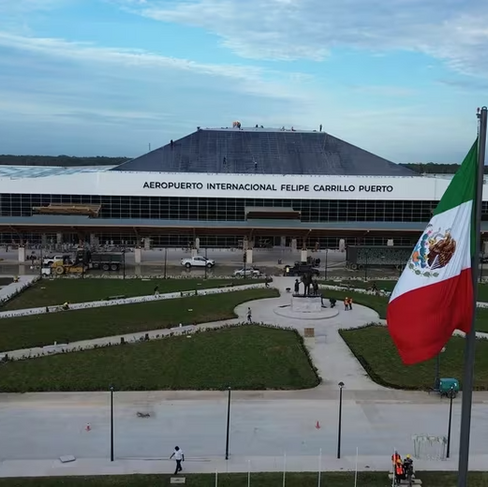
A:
{"points": [[306, 304]]}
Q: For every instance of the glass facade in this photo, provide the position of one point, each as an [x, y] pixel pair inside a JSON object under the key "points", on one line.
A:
{"points": [[227, 209], [222, 210]]}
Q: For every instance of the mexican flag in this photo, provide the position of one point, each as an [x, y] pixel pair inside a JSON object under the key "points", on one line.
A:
{"points": [[434, 295]]}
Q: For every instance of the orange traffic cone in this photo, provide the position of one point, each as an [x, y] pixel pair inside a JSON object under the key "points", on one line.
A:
{"points": [[317, 425], [87, 427]]}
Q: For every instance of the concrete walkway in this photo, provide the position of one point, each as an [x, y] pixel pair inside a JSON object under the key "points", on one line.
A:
{"points": [[13, 288], [331, 356], [132, 300], [213, 465]]}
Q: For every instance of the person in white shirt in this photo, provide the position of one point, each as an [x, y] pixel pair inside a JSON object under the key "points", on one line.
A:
{"points": [[179, 457]]}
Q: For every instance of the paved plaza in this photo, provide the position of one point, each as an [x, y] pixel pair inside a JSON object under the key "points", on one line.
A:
{"points": [[265, 425]]}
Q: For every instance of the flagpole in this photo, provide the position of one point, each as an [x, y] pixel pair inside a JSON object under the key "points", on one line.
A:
{"points": [[469, 353]]}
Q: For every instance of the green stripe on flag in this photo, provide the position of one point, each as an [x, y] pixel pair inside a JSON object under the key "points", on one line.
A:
{"points": [[463, 188]]}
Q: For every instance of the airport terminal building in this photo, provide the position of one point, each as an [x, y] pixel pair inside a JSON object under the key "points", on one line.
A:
{"points": [[225, 187]]}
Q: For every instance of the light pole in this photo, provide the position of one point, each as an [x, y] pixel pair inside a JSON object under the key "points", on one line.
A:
{"points": [[326, 258], [449, 424], [366, 265], [206, 267], [437, 369], [111, 423], [123, 263], [339, 433], [228, 424], [165, 260]]}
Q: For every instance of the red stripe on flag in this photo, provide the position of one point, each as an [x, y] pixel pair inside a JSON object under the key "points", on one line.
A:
{"points": [[423, 320]]}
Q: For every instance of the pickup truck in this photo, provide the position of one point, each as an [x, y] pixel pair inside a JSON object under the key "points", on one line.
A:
{"points": [[248, 271], [198, 261]]}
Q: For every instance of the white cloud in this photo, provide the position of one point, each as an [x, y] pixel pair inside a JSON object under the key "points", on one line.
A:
{"points": [[455, 31], [58, 96], [244, 78]]}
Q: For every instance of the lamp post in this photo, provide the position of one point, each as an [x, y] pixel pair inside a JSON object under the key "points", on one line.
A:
{"points": [[449, 423], [339, 433], [40, 263], [206, 267], [111, 423], [437, 369], [326, 258], [227, 437], [123, 263], [165, 260], [366, 265]]}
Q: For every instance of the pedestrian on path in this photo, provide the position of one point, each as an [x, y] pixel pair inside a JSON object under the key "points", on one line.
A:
{"points": [[179, 456], [249, 315], [156, 291], [346, 303]]}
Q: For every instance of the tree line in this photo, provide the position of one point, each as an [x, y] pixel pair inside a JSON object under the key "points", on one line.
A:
{"points": [[434, 168], [62, 161], [72, 161]]}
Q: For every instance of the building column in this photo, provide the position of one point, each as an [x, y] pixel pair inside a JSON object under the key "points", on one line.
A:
{"points": [[94, 241], [303, 255], [194, 252], [342, 245], [249, 256], [283, 242], [245, 243], [485, 247], [293, 244], [43, 241], [21, 254], [138, 255], [59, 238], [147, 243], [390, 242], [197, 243]]}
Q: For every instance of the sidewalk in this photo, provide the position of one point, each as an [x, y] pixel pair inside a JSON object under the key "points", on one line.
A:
{"points": [[15, 287], [332, 357], [211, 465], [132, 300]]}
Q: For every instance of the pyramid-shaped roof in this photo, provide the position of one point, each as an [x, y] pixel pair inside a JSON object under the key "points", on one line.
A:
{"points": [[264, 151]]}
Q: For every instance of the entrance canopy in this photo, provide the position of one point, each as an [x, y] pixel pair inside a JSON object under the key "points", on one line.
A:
{"points": [[269, 213]]}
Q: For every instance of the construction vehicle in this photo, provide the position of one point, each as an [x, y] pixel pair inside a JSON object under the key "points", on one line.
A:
{"points": [[64, 266], [107, 261], [358, 257]]}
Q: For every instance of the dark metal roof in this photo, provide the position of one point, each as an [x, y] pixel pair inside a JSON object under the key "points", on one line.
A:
{"points": [[263, 151]]}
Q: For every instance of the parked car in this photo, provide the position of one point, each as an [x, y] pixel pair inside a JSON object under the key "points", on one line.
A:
{"points": [[198, 261], [247, 271], [300, 270]]}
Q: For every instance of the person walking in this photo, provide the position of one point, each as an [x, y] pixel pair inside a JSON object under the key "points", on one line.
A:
{"points": [[249, 315], [179, 456]]}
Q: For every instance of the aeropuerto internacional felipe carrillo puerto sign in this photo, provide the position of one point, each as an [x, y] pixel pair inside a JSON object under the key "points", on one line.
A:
{"points": [[266, 187]]}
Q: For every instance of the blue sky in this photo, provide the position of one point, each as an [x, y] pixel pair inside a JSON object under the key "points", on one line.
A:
{"points": [[401, 78]]}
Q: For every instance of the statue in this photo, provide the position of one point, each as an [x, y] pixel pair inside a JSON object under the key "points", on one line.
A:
{"points": [[307, 281]]}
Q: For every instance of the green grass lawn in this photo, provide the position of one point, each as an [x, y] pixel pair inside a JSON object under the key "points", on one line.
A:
{"points": [[380, 303], [45, 329], [388, 285], [333, 479], [250, 357], [375, 349], [57, 291]]}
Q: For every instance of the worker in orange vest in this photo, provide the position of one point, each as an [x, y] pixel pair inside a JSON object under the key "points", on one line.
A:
{"points": [[399, 472]]}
